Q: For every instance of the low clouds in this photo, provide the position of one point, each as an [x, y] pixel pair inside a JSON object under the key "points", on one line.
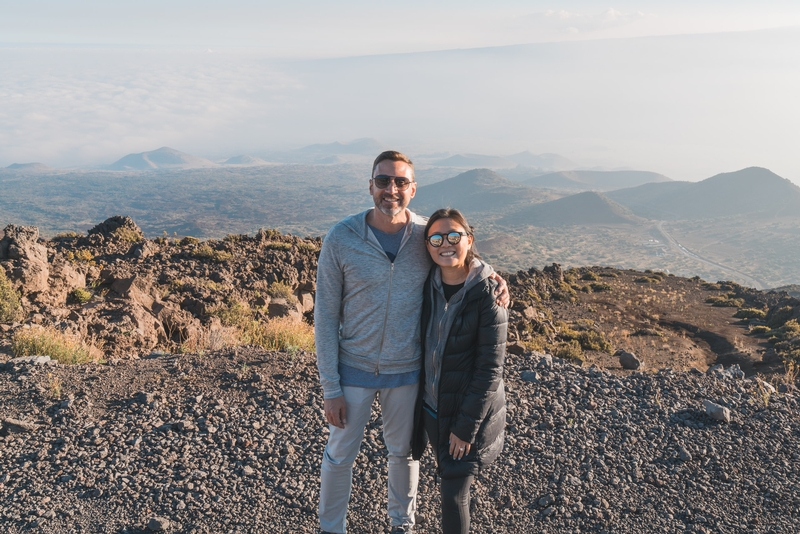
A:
{"points": [[71, 106], [687, 106]]}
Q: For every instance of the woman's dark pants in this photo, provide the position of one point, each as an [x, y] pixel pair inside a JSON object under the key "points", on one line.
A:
{"points": [[455, 492]]}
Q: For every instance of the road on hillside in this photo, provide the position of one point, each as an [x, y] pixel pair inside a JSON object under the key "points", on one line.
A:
{"points": [[753, 282]]}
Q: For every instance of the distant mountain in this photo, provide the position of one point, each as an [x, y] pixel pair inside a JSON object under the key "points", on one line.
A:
{"points": [[477, 191], [475, 160], [245, 160], [542, 161], [754, 190], [29, 167], [365, 146], [584, 209], [163, 158], [595, 180]]}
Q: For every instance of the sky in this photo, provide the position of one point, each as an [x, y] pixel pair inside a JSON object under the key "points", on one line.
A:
{"points": [[688, 89]]}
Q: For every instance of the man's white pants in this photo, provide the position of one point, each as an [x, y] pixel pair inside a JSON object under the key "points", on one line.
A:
{"points": [[336, 478]]}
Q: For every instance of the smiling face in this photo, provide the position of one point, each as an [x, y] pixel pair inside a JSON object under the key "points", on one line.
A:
{"points": [[449, 256], [390, 201]]}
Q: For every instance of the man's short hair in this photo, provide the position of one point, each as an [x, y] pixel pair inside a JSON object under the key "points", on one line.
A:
{"points": [[393, 155]]}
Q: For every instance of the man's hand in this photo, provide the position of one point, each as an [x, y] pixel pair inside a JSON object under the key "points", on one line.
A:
{"points": [[335, 411], [502, 294], [458, 447]]}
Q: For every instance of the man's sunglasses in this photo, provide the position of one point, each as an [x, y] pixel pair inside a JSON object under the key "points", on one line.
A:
{"points": [[437, 240], [382, 181]]}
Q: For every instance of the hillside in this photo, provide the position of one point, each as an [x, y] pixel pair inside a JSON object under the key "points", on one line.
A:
{"points": [[29, 167], [594, 180], [588, 208], [245, 160], [477, 191], [475, 160], [163, 158], [755, 191]]}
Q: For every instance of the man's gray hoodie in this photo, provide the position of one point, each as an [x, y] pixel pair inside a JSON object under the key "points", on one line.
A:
{"points": [[367, 309]]}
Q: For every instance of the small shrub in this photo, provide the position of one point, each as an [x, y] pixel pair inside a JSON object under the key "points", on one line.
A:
{"points": [[10, 305], [710, 286], [599, 287], [759, 330], [308, 247], [780, 316], [789, 330], [724, 301], [277, 245], [188, 240], [205, 252], [590, 275], [268, 233], [128, 235], [647, 280], [281, 333], [63, 236], [750, 313], [82, 255], [234, 238], [280, 290], [586, 289], [593, 340], [80, 295], [570, 350], [54, 343]]}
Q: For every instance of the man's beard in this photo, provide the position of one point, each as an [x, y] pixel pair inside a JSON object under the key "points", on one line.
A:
{"points": [[391, 212]]}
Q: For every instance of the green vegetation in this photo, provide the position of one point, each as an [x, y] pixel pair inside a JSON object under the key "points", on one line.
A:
{"points": [[725, 301], [590, 275], [282, 333], [82, 255], [62, 236], [599, 287], [750, 313], [10, 305], [570, 350], [281, 290], [235, 238], [278, 245], [585, 335], [129, 235], [780, 316], [205, 252], [80, 295], [305, 245], [647, 280], [188, 240], [759, 330], [54, 343]]}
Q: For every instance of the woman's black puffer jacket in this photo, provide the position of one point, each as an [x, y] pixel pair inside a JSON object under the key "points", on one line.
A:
{"points": [[471, 396]]}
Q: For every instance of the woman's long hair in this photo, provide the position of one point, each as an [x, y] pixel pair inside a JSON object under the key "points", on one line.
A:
{"points": [[458, 218]]}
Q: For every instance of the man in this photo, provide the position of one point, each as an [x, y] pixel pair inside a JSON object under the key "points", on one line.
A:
{"points": [[372, 267]]}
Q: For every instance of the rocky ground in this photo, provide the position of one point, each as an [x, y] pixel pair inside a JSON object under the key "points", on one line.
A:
{"points": [[232, 441], [175, 428]]}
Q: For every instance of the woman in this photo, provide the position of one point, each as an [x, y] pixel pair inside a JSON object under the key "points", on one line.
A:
{"points": [[462, 406]]}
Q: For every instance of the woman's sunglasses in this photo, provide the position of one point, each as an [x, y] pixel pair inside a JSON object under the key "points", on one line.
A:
{"points": [[437, 240], [382, 181]]}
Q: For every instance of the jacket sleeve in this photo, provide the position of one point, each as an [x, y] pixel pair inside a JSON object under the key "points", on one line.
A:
{"points": [[327, 312], [487, 375]]}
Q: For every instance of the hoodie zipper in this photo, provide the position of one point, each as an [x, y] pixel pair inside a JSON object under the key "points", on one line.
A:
{"points": [[437, 366], [385, 318]]}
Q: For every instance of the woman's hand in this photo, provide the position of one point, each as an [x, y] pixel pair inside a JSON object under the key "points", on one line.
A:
{"points": [[458, 448]]}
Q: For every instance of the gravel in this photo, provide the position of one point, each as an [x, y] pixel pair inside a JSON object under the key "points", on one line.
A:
{"points": [[232, 442]]}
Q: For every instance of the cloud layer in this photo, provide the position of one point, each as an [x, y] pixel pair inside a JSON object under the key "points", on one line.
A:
{"points": [[686, 106]]}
